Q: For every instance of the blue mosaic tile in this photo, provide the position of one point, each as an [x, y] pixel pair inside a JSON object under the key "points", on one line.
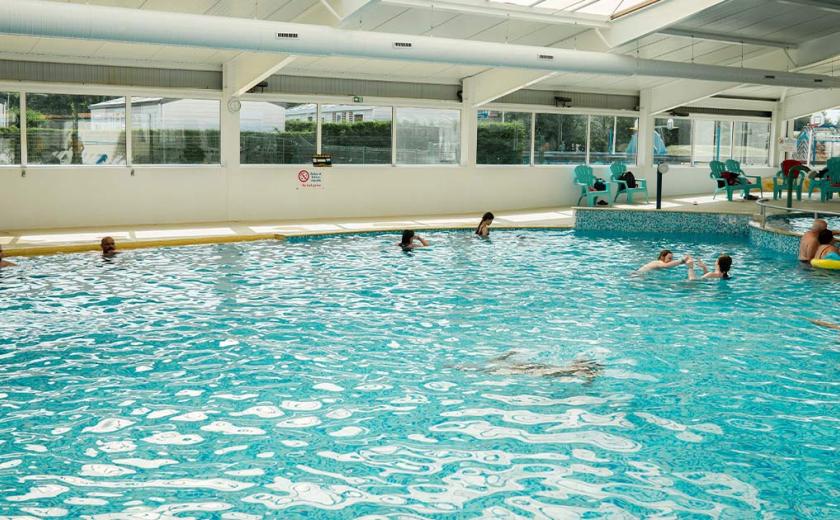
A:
{"points": [[662, 221], [770, 239]]}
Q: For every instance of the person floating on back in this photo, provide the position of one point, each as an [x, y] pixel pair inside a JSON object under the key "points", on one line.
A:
{"points": [[5, 263], [665, 260], [809, 244], [483, 229], [412, 241], [722, 267], [826, 250], [109, 247]]}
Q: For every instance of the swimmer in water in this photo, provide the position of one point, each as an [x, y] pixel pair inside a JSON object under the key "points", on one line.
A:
{"points": [[826, 324], [722, 266], [586, 369], [5, 263], [109, 247], [411, 241], [483, 229], [665, 260]]}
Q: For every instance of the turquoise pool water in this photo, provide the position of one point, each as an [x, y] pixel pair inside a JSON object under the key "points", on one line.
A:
{"points": [[802, 223], [340, 378]]}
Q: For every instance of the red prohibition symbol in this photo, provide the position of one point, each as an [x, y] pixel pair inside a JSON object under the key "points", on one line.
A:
{"points": [[303, 176]]}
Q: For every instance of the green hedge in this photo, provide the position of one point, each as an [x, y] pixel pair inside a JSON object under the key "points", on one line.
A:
{"points": [[366, 142], [502, 143], [176, 147]]}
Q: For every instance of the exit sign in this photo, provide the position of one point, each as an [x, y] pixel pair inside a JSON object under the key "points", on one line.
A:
{"points": [[358, 99]]}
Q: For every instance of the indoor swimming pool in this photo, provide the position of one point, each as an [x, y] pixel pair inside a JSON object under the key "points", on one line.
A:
{"points": [[529, 376]]}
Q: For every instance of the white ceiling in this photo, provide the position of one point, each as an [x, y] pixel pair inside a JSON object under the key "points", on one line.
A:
{"points": [[778, 20]]}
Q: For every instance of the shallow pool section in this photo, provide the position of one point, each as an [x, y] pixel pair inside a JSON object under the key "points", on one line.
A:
{"points": [[529, 376], [800, 223]]}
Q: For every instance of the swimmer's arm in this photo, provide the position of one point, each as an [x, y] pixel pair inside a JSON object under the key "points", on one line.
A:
{"points": [[691, 274], [422, 240]]}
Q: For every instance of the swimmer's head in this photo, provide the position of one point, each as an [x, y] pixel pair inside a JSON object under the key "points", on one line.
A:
{"points": [[108, 245], [665, 255], [819, 225], [724, 263], [488, 217], [407, 235], [825, 237]]}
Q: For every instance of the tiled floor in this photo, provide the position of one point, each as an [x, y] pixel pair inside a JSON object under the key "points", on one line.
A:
{"points": [[45, 241]]}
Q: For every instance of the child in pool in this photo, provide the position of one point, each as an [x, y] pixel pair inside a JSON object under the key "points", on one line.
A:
{"points": [[483, 229], [722, 266], [410, 241], [665, 260], [826, 250]]}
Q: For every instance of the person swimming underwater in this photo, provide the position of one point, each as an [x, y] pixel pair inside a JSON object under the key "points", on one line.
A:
{"points": [[506, 364]]}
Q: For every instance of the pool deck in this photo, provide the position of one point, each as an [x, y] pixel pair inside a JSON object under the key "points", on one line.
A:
{"points": [[50, 241]]}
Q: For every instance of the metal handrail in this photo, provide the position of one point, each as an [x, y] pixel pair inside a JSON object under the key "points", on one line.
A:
{"points": [[763, 205]]}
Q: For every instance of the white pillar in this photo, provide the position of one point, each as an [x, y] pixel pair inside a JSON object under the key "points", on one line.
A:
{"points": [[468, 123], [229, 138], [779, 133], [644, 138]]}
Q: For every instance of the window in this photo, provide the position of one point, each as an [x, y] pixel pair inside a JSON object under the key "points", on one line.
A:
{"points": [[9, 128], [174, 131], [503, 137], [672, 141], [712, 140], [428, 136], [752, 143], [612, 139], [276, 132], [366, 141], [70, 129], [560, 139]]}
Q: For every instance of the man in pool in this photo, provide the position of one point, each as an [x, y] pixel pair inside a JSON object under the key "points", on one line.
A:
{"points": [[5, 263], [109, 247], [665, 260], [809, 243], [506, 364]]}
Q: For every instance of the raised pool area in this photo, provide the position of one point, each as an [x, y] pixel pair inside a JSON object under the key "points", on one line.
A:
{"points": [[528, 376]]}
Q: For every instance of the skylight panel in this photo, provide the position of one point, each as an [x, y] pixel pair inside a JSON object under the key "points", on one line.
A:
{"points": [[607, 7]]}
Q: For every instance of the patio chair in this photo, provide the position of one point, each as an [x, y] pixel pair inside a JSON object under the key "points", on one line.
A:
{"points": [[830, 183], [780, 181], [735, 167], [617, 169], [721, 184], [585, 179]]}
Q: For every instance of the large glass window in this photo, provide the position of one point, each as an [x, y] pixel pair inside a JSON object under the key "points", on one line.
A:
{"points": [[712, 140], [9, 128], [752, 143], [428, 136], [560, 139], [71, 129], [672, 141], [174, 130], [613, 139], [356, 134], [277, 133], [503, 137]]}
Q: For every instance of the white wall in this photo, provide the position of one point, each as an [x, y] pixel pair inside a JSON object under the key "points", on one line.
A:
{"points": [[101, 196]]}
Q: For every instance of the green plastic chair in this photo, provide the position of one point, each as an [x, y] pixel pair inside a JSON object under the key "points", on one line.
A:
{"points": [[716, 174], [830, 183], [734, 166], [616, 170], [780, 181], [585, 179]]}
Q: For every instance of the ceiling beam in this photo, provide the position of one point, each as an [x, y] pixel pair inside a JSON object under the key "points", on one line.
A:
{"points": [[808, 103], [728, 38], [652, 19], [245, 71], [504, 11], [495, 83], [807, 54], [827, 5]]}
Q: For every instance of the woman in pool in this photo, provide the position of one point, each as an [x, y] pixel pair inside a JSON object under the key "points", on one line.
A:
{"points": [[411, 241], [483, 229], [826, 249], [722, 267], [665, 260]]}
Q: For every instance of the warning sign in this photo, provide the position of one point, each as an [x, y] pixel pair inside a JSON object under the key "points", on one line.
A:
{"points": [[310, 179]]}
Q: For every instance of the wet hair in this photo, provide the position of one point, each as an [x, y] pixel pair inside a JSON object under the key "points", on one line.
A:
{"points": [[407, 235], [487, 216], [724, 264], [664, 253], [825, 237]]}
